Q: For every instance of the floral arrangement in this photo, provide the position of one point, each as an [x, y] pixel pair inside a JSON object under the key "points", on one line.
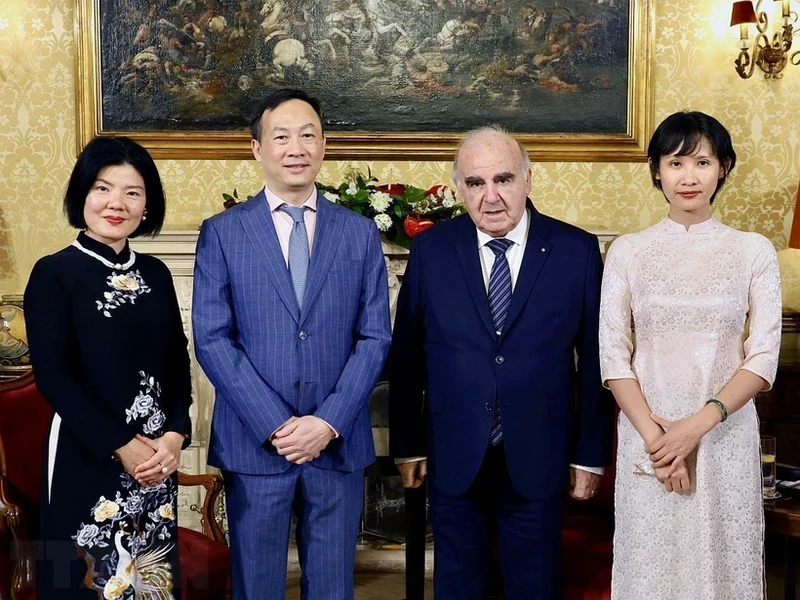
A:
{"points": [[400, 211]]}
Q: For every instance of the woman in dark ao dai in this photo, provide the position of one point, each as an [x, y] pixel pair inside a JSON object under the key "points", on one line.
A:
{"points": [[110, 355]]}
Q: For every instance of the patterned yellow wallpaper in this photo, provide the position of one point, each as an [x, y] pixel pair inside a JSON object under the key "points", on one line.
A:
{"points": [[694, 58]]}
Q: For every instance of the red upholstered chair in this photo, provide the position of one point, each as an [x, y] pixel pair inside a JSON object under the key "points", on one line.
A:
{"points": [[24, 416]]}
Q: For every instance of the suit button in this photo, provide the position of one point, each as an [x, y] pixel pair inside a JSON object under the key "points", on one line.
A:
{"points": [[499, 360], [302, 335], [297, 385], [488, 407]]}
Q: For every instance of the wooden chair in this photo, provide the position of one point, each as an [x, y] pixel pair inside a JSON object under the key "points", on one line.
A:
{"points": [[24, 418]]}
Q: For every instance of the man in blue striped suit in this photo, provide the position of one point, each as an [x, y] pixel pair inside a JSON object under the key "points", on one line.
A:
{"points": [[291, 325]]}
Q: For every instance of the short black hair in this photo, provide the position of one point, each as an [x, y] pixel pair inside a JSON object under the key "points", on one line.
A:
{"points": [[277, 97], [104, 152], [682, 132]]}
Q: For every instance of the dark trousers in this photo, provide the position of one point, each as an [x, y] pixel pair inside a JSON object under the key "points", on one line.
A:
{"points": [[529, 534]]}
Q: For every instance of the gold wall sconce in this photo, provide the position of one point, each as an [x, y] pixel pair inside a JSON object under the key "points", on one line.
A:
{"points": [[770, 56]]}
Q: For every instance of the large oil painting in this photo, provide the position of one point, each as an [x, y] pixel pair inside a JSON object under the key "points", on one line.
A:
{"points": [[396, 78]]}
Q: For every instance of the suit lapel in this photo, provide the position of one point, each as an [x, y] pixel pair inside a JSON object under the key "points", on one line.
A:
{"points": [[537, 251], [467, 248], [327, 236], [256, 219]]}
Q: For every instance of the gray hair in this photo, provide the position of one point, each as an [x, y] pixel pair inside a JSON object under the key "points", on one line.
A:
{"points": [[488, 130]]}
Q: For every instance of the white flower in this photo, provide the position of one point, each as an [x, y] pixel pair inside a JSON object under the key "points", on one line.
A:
{"points": [[449, 196], [155, 422], [115, 587], [352, 189], [165, 512], [124, 283], [380, 201], [87, 535], [108, 295], [138, 542], [106, 509], [383, 221], [134, 504], [143, 403], [331, 197], [448, 202]]}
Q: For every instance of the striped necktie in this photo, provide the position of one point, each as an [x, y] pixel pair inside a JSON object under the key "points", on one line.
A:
{"points": [[298, 250], [499, 300]]}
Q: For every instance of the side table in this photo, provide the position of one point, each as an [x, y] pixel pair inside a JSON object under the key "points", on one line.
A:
{"points": [[783, 518]]}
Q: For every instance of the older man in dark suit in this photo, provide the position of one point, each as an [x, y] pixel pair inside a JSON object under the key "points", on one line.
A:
{"points": [[486, 399]]}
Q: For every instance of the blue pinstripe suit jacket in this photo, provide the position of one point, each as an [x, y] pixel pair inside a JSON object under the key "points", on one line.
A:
{"points": [[266, 359]]}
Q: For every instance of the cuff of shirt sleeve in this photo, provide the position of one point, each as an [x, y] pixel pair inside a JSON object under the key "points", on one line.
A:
{"points": [[595, 470], [400, 461], [335, 433]]}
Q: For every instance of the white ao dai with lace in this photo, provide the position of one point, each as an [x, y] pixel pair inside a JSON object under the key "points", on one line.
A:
{"points": [[705, 303]]}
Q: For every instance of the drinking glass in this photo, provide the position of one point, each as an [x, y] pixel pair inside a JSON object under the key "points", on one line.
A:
{"points": [[768, 468]]}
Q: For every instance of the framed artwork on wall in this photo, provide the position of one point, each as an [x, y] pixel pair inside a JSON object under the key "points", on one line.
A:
{"points": [[14, 355], [397, 79]]}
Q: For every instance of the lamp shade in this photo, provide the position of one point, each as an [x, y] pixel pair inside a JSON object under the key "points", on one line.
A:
{"points": [[743, 12]]}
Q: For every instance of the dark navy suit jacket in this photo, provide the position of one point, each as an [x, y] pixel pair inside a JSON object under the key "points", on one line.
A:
{"points": [[266, 359], [446, 346]]}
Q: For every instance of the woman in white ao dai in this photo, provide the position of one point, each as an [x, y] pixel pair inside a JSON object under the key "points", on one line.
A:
{"points": [[706, 307]]}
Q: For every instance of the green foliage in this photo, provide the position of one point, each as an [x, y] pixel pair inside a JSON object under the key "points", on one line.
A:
{"points": [[399, 211]]}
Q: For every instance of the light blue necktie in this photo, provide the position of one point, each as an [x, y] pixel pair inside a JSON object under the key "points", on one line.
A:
{"points": [[499, 301], [298, 250]]}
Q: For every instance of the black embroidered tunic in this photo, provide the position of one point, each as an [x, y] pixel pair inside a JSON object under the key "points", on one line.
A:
{"points": [[110, 355]]}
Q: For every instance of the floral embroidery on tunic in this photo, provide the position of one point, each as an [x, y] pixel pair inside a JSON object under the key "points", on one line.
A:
{"points": [[126, 544], [127, 288], [146, 406]]}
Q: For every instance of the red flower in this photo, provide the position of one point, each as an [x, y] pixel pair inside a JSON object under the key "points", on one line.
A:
{"points": [[436, 191], [413, 225], [398, 189]]}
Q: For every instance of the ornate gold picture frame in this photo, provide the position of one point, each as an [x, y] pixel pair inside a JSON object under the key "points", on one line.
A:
{"points": [[397, 79]]}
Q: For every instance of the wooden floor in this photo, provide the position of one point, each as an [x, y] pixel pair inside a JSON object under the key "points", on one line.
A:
{"points": [[391, 586], [369, 586]]}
